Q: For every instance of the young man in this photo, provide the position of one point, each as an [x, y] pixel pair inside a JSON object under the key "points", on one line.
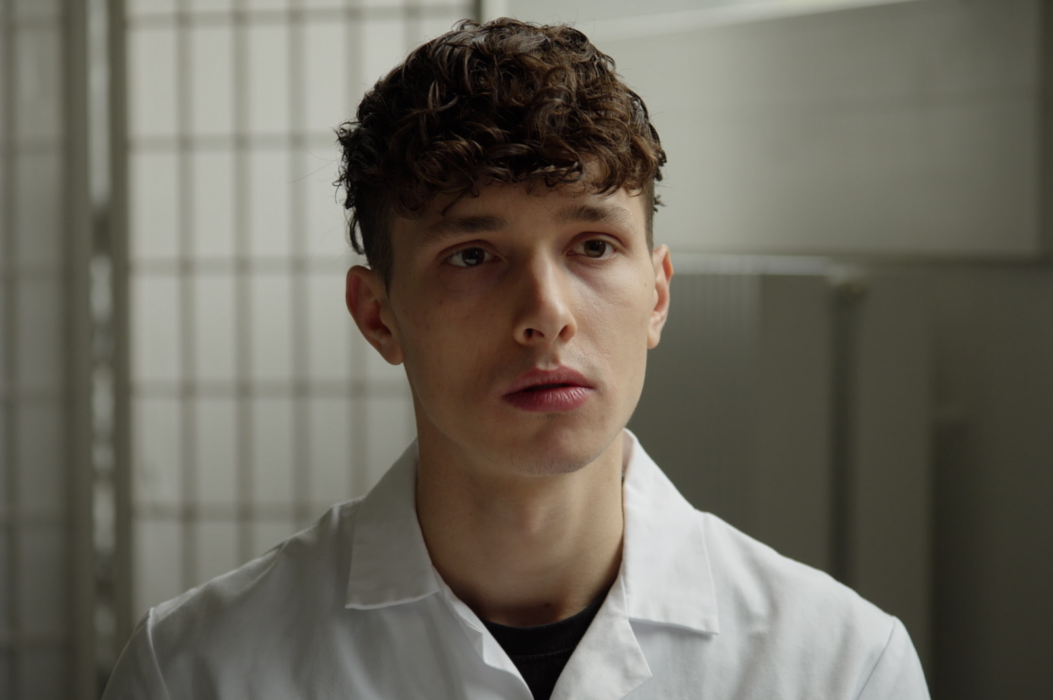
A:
{"points": [[502, 181]]}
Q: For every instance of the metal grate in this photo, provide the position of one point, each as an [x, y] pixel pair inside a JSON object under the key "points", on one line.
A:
{"points": [[255, 405], [37, 450]]}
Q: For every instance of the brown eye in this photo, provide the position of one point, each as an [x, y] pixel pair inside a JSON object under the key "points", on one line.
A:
{"points": [[596, 248], [469, 257]]}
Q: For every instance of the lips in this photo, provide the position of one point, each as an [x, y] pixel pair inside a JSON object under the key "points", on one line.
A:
{"points": [[558, 390]]}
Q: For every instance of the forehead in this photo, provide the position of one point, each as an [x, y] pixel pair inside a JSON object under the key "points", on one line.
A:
{"points": [[503, 208]]}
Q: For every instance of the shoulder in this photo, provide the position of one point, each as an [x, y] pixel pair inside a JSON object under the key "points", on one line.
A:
{"points": [[234, 620], [802, 618], [755, 580], [310, 567]]}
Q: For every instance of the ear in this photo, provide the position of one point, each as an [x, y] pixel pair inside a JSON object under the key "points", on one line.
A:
{"points": [[663, 273], [367, 300]]}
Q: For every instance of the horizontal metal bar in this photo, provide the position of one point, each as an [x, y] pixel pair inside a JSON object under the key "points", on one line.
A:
{"points": [[322, 388], [240, 16], [214, 512], [15, 397], [235, 265], [23, 640], [16, 517], [233, 140]]}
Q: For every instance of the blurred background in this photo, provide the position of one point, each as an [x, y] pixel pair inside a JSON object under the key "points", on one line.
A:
{"points": [[858, 368]]}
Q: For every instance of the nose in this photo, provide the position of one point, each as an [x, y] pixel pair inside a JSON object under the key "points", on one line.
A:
{"points": [[544, 313]]}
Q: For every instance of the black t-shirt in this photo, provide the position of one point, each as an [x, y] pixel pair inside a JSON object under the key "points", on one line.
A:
{"points": [[541, 652]]}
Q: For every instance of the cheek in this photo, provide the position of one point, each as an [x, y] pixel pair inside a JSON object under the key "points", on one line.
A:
{"points": [[618, 324], [623, 308], [446, 346]]}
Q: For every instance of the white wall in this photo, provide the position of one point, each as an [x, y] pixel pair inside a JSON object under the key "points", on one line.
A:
{"points": [[909, 129]]}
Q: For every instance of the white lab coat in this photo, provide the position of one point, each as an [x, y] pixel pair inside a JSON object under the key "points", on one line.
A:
{"points": [[352, 608]]}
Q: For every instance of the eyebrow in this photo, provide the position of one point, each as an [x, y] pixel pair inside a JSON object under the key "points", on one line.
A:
{"points": [[594, 215], [449, 227]]}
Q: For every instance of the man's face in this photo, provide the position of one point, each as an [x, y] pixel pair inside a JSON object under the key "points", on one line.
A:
{"points": [[524, 321]]}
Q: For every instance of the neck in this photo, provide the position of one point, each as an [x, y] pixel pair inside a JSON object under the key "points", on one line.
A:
{"points": [[522, 550]]}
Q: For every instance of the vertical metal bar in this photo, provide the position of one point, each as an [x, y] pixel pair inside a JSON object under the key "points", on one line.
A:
{"points": [[302, 453], [123, 585], [1045, 75], [187, 380], [352, 59], [77, 332], [101, 341], [846, 299], [9, 298], [358, 397], [243, 291], [412, 24]]}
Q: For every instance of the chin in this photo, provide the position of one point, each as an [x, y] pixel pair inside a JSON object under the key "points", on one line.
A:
{"points": [[562, 451]]}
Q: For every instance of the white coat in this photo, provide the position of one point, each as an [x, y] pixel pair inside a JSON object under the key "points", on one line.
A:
{"points": [[353, 608]]}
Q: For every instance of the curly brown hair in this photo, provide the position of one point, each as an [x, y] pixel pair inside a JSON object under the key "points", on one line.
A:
{"points": [[501, 102]]}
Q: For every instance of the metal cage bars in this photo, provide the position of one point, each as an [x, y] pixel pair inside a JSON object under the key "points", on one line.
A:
{"points": [[299, 396], [46, 631]]}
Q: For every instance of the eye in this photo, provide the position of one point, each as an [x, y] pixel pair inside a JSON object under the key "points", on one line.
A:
{"points": [[595, 248], [468, 257]]}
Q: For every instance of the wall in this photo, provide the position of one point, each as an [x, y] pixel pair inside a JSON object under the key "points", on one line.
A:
{"points": [[909, 128], [993, 365]]}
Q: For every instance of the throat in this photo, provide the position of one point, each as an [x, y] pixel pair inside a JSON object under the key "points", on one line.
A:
{"points": [[534, 566], [522, 549]]}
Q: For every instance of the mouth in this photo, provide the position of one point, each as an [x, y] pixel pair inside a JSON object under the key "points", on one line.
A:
{"points": [[550, 391], [545, 387]]}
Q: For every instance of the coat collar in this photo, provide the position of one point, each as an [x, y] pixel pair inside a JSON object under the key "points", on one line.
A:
{"points": [[665, 567], [389, 560]]}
